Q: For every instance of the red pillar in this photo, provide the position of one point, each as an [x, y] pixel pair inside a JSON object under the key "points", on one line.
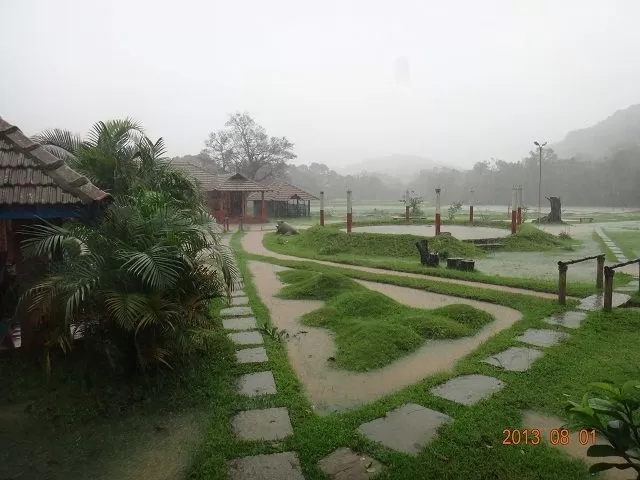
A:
{"points": [[322, 209], [514, 214], [349, 212], [437, 211]]}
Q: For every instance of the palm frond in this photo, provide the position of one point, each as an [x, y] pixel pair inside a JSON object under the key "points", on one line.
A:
{"points": [[158, 267], [61, 143], [126, 308]]}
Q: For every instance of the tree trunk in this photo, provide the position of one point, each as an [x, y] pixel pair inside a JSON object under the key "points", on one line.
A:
{"points": [[556, 207]]}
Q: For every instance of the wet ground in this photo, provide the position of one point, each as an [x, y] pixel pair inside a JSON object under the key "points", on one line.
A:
{"points": [[309, 348]]}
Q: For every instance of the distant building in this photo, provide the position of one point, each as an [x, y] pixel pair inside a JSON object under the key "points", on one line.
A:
{"points": [[283, 200]]}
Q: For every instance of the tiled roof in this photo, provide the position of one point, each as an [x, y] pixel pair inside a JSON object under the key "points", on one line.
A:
{"points": [[29, 175], [281, 191], [224, 182]]}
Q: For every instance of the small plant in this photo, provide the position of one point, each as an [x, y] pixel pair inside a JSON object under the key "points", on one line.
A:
{"points": [[414, 202], [273, 332], [564, 235], [454, 209], [282, 241], [524, 213], [613, 413]]}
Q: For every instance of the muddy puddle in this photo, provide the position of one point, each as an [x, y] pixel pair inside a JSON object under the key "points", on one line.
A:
{"points": [[309, 348]]}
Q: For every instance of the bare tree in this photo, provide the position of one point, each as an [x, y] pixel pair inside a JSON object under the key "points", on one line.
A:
{"points": [[244, 146]]}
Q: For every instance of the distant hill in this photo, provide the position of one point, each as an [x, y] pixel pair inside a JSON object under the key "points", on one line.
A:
{"points": [[620, 130], [401, 167]]}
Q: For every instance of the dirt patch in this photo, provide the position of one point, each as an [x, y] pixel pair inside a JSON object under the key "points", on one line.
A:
{"points": [[252, 243], [546, 423], [310, 348]]}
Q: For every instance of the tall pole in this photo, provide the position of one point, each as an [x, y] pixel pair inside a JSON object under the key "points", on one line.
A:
{"points": [[322, 209], [437, 211], [471, 206], [406, 207], [514, 196], [349, 212], [519, 217], [540, 145]]}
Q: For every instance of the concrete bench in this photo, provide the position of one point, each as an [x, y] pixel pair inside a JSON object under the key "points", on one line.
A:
{"points": [[586, 219]]}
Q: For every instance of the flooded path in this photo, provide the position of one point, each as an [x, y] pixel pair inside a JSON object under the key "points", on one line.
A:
{"points": [[309, 348]]}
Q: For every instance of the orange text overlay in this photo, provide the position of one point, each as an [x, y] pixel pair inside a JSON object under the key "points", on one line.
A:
{"points": [[555, 436]]}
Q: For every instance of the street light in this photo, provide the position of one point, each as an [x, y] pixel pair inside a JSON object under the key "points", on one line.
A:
{"points": [[540, 180]]}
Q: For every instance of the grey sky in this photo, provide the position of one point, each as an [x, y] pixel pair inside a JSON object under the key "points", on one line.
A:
{"points": [[457, 81]]}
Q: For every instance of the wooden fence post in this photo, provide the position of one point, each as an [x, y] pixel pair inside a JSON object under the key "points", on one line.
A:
{"points": [[608, 288], [322, 209], [349, 212], [438, 211], [599, 271], [562, 282]]}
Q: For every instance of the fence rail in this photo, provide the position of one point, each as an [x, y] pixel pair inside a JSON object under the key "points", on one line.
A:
{"points": [[563, 267]]}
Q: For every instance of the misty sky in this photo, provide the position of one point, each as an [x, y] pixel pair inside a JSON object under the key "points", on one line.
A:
{"points": [[457, 81]]}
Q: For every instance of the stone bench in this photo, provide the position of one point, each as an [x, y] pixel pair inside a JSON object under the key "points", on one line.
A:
{"points": [[586, 219], [461, 264]]}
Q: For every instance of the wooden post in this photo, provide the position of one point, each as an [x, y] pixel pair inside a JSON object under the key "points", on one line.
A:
{"points": [[562, 283], [599, 271], [349, 212], [308, 208], [263, 214], [322, 209], [471, 207], [513, 210], [437, 211], [608, 288]]}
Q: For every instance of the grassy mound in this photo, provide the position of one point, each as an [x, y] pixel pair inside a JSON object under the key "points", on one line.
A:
{"points": [[529, 238], [371, 329], [330, 241]]}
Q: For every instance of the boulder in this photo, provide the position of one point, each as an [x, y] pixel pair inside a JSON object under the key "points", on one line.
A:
{"points": [[283, 228]]}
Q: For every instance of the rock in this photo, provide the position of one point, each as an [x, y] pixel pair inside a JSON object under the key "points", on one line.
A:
{"points": [[283, 228], [276, 466]]}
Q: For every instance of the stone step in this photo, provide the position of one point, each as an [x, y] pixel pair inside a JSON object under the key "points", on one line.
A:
{"points": [[239, 301], [238, 293], [239, 323], [541, 337], [596, 301], [345, 464], [406, 429], [256, 384], [566, 319], [468, 389], [246, 338], [266, 424], [236, 312], [275, 466], [252, 355], [514, 359]]}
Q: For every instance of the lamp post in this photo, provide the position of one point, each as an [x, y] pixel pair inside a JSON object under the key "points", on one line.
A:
{"points": [[540, 180]]}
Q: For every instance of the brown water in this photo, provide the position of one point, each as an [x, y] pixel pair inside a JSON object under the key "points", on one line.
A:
{"points": [[309, 348], [252, 243]]}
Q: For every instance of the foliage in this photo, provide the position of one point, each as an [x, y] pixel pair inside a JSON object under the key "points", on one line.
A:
{"points": [[372, 329], [613, 412], [118, 157], [453, 210], [245, 147], [413, 201], [136, 284], [524, 213]]}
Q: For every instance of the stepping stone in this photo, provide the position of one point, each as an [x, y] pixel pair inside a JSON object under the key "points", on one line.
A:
{"points": [[275, 466], [246, 338], [345, 464], [242, 323], [267, 424], [468, 389], [406, 429], [236, 312], [515, 359], [239, 301], [596, 301], [542, 338], [255, 384], [238, 293], [251, 355], [566, 319], [628, 288]]}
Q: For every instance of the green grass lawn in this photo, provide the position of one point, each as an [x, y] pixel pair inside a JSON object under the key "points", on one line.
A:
{"points": [[608, 254], [470, 448], [398, 252], [628, 241], [371, 329]]}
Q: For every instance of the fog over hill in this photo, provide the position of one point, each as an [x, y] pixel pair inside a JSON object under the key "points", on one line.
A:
{"points": [[401, 167]]}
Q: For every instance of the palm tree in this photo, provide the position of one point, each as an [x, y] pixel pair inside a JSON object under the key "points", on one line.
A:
{"points": [[137, 285]]}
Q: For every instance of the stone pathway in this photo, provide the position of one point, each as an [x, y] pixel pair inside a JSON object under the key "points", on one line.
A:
{"points": [[611, 245], [259, 425]]}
